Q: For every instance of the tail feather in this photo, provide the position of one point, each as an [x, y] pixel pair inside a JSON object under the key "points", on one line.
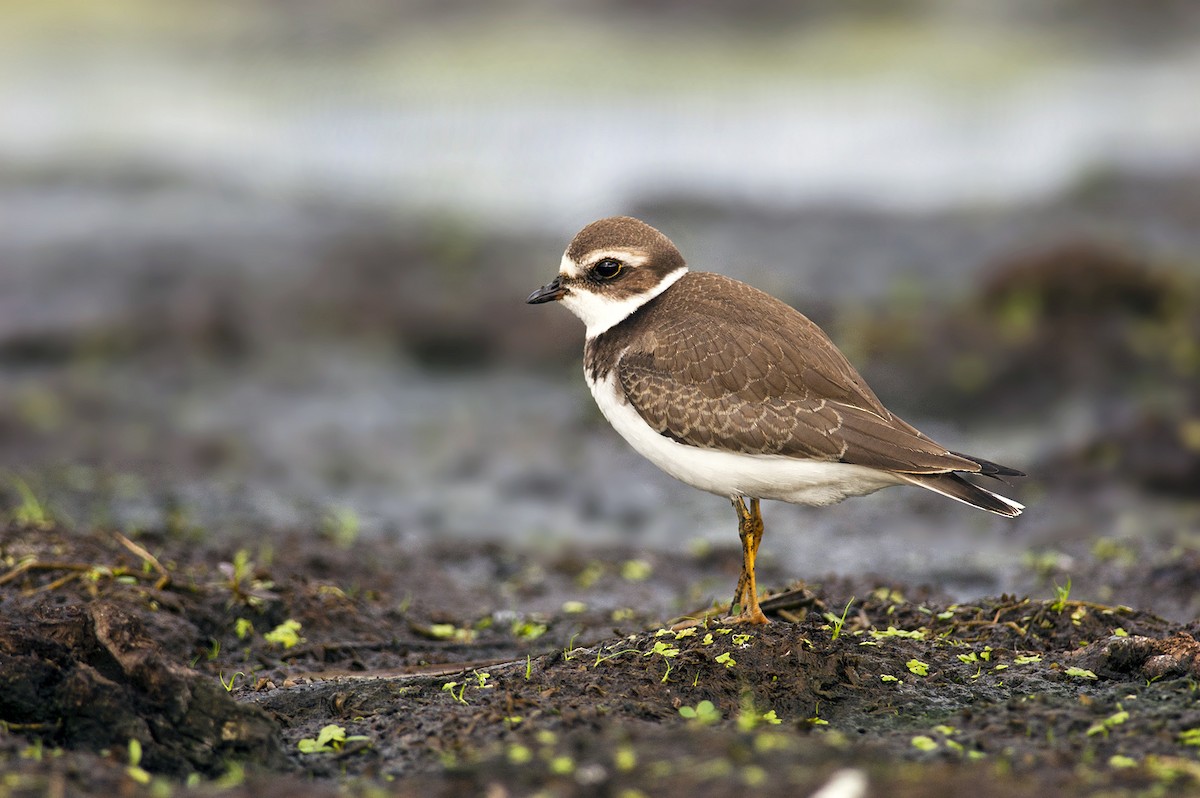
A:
{"points": [[955, 487]]}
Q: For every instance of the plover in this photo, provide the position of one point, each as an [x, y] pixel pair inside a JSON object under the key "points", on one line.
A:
{"points": [[734, 392]]}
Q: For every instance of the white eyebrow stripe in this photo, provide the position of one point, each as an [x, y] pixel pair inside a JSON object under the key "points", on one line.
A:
{"points": [[630, 257]]}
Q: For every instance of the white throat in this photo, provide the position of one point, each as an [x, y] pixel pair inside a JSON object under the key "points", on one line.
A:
{"points": [[599, 313]]}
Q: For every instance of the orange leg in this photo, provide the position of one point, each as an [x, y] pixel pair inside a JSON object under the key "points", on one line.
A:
{"points": [[750, 530]]}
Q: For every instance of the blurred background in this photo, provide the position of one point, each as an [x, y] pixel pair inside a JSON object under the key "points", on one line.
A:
{"points": [[262, 265]]}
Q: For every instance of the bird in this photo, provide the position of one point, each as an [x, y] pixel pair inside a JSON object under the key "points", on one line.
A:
{"points": [[734, 392]]}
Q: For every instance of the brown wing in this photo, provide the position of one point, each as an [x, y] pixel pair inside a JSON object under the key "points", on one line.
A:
{"points": [[773, 385]]}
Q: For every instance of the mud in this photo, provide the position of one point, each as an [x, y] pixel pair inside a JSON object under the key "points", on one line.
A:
{"points": [[445, 683], [338, 573]]}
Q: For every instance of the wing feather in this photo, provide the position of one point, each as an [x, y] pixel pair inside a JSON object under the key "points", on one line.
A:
{"points": [[777, 385]]}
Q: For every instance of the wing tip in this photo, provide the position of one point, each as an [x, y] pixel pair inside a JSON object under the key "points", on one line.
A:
{"points": [[989, 469]]}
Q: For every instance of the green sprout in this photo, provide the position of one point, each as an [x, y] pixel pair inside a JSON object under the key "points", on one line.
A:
{"points": [[31, 512], [1190, 737], [918, 667], [134, 768], [749, 718], [704, 713], [838, 622], [665, 649], [286, 634], [1105, 725], [1062, 594], [528, 630], [243, 628], [460, 696], [448, 631], [341, 525], [241, 583], [923, 742], [891, 631], [331, 739], [232, 680], [569, 651]]}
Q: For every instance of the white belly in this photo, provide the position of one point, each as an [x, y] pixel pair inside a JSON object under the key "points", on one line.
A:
{"points": [[764, 476]]}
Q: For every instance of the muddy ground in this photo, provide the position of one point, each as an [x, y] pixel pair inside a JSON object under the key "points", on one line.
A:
{"points": [[472, 632], [443, 684]]}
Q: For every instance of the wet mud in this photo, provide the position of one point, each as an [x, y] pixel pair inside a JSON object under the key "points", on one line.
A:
{"points": [[221, 663]]}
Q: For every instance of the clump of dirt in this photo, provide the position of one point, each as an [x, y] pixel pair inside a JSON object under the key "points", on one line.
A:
{"points": [[90, 675], [322, 669]]}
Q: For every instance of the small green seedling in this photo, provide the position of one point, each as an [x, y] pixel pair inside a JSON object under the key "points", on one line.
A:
{"points": [[241, 583], [918, 667], [460, 696], [448, 631], [341, 526], [569, 651], [243, 628], [838, 622], [331, 739], [1105, 725], [726, 659], [31, 512], [1190, 737], [1080, 673], [924, 742], [891, 631], [134, 768], [663, 649], [1062, 594], [749, 718], [528, 630], [232, 680], [286, 634], [704, 713]]}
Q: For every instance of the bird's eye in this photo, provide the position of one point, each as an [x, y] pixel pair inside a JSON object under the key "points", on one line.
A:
{"points": [[607, 268]]}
